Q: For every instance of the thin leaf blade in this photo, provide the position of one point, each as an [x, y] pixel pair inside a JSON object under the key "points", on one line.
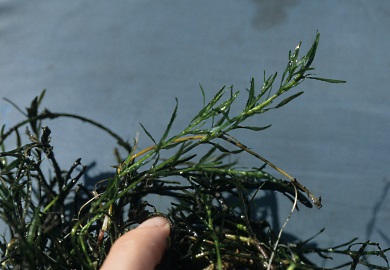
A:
{"points": [[287, 100]]}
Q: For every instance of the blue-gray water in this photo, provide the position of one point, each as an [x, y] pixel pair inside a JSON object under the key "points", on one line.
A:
{"points": [[123, 63]]}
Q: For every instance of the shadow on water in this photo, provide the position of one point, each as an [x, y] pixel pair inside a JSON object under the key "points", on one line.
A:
{"points": [[271, 13], [91, 181], [267, 208], [372, 224]]}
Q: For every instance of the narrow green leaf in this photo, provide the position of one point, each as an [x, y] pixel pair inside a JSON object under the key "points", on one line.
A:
{"points": [[295, 55], [203, 95], [312, 52], [175, 159], [35, 226], [148, 134], [173, 116], [251, 101], [219, 147], [1, 137], [15, 106], [254, 128], [326, 80], [267, 86], [12, 165], [40, 98], [225, 106], [287, 100], [203, 114], [207, 156], [32, 112], [224, 117]]}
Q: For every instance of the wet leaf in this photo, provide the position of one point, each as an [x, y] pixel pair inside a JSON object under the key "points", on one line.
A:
{"points": [[287, 100]]}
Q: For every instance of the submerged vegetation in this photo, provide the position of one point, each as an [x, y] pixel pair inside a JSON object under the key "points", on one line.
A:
{"points": [[55, 221]]}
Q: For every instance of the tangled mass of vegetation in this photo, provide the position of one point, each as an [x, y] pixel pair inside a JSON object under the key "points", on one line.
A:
{"points": [[55, 221]]}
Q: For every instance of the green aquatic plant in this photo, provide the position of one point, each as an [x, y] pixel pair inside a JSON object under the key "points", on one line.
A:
{"points": [[55, 221]]}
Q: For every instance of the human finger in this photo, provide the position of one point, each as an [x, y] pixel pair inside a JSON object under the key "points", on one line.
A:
{"points": [[141, 248]]}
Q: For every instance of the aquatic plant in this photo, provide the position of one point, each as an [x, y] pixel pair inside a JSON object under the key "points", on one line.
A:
{"points": [[55, 221]]}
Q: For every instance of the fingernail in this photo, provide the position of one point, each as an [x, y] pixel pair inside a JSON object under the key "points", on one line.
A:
{"points": [[154, 222]]}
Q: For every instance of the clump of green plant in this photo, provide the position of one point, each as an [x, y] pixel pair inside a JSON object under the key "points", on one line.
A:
{"points": [[57, 222]]}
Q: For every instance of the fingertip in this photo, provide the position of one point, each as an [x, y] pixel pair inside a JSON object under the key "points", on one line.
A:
{"points": [[159, 221], [140, 248]]}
